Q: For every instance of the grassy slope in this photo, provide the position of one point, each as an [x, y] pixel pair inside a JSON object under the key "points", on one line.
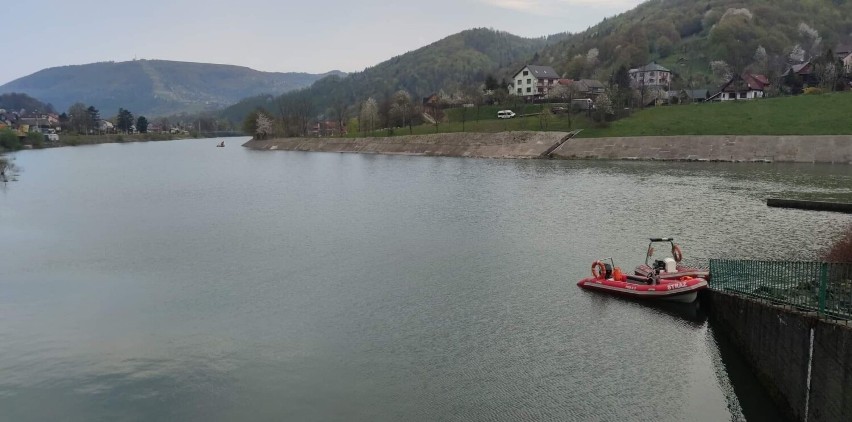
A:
{"points": [[484, 119], [803, 115]]}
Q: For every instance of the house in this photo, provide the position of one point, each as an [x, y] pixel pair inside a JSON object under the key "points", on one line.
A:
{"points": [[804, 71], [105, 126], [652, 75], [742, 87], [327, 128], [533, 82], [844, 54]]}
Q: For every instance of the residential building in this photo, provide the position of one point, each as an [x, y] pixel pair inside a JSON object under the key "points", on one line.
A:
{"points": [[742, 87], [844, 54], [652, 75], [533, 82], [327, 128], [805, 72]]}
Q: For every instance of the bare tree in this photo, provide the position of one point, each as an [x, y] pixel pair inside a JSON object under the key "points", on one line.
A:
{"points": [[369, 113]]}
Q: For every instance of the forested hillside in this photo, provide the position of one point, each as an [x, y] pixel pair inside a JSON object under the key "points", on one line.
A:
{"points": [[15, 102], [460, 61], [154, 87], [688, 35]]}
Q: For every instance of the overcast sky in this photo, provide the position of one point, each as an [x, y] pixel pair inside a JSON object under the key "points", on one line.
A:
{"points": [[272, 35]]}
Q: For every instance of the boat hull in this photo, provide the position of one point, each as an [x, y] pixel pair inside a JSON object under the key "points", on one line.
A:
{"points": [[685, 291]]}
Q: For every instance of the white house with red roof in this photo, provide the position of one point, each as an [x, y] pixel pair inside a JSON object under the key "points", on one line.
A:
{"points": [[742, 87]]}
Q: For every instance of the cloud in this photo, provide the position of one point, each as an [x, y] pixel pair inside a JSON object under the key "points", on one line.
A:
{"points": [[559, 7]]}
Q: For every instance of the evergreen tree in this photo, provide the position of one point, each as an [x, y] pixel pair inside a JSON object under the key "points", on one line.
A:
{"points": [[142, 124], [124, 121]]}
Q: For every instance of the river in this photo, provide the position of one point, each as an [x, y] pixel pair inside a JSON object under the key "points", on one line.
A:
{"points": [[179, 281]]}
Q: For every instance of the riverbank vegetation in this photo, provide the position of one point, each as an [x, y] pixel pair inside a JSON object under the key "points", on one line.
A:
{"points": [[841, 251]]}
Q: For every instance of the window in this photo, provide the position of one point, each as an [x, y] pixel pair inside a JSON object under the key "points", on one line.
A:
{"points": [[526, 73], [520, 82], [520, 90], [529, 90], [742, 94], [529, 81]]}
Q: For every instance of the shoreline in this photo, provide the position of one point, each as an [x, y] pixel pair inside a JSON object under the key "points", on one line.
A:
{"points": [[830, 149], [509, 145]]}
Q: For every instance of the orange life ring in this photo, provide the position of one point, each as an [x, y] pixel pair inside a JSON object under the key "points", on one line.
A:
{"points": [[677, 254], [598, 269]]}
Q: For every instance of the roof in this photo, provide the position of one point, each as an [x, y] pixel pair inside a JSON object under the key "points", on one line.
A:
{"points": [[801, 69], [746, 81], [540, 72], [652, 67], [843, 50], [696, 93]]}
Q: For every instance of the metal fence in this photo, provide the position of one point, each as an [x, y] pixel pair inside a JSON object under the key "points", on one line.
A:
{"points": [[812, 286]]}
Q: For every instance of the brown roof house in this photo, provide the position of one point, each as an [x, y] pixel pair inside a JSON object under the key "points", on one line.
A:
{"points": [[742, 87]]}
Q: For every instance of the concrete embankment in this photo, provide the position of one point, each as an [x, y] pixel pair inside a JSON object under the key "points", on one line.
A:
{"points": [[804, 362], [482, 145], [797, 149]]}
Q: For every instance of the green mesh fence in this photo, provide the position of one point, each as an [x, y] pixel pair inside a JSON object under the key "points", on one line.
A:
{"points": [[812, 286]]}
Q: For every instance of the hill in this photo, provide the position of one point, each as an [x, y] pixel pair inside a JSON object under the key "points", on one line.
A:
{"points": [[457, 62], [15, 101], [687, 35], [154, 87]]}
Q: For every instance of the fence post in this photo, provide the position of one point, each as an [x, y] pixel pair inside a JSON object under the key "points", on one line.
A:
{"points": [[823, 285]]}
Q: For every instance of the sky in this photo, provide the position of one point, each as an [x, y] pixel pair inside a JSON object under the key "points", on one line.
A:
{"points": [[314, 36]]}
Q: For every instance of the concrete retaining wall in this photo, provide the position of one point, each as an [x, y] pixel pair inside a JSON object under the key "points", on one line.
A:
{"points": [[777, 344], [484, 145], [800, 149]]}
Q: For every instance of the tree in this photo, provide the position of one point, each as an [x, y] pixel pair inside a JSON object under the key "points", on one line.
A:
{"points": [[124, 120], [369, 115], [142, 124], [491, 83], [94, 117], [264, 126], [78, 118], [401, 107]]}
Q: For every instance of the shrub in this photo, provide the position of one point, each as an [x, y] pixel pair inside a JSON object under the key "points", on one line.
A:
{"points": [[841, 251], [9, 140], [813, 91], [119, 138], [35, 139]]}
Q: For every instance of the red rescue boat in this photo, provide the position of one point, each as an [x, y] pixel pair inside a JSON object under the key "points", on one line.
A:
{"points": [[609, 279]]}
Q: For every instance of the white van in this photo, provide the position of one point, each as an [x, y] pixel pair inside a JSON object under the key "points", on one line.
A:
{"points": [[505, 114]]}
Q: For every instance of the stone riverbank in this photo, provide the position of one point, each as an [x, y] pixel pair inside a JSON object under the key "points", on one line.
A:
{"points": [[794, 149], [481, 145]]}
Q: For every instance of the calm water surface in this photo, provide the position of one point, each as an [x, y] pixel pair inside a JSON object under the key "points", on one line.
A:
{"points": [[179, 281]]}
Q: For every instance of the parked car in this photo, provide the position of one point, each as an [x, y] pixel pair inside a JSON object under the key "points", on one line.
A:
{"points": [[557, 110], [505, 114]]}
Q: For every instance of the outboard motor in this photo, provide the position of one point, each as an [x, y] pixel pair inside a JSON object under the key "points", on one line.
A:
{"points": [[608, 271], [670, 265]]}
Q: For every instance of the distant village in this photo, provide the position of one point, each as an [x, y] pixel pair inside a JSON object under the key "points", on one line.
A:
{"points": [[652, 84]]}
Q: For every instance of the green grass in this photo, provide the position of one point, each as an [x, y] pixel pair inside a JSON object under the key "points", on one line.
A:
{"points": [[485, 120], [826, 114]]}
